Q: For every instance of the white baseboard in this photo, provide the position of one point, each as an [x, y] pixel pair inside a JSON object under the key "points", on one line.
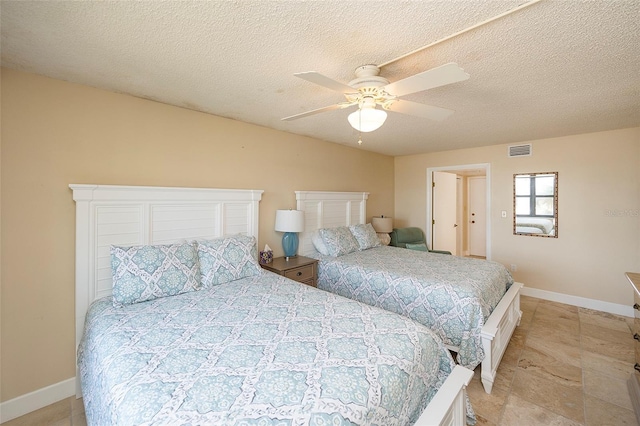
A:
{"points": [[35, 400], [582, 302]]}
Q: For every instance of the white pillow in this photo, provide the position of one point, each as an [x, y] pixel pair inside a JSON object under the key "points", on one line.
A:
{"points": [[318, 243], [365, 235]]}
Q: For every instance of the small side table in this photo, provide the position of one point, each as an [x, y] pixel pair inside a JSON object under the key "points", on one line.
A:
{"points": [[299, 268]]}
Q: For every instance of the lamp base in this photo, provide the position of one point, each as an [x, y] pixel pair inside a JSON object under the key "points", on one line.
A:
{"points": [[290, 244]]}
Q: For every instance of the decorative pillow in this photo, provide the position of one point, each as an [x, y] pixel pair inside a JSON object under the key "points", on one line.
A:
{"points": [[318, 243], [365, 235], [339, 241], [227, 259], [142, 273], [418, 246]]}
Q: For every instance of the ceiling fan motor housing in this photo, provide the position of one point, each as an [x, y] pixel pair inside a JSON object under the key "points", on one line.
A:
{"points": [[367, 76], [370, 87]]}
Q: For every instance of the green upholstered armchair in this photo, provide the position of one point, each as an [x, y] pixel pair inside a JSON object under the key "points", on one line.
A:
{"points": [[412, 238]]}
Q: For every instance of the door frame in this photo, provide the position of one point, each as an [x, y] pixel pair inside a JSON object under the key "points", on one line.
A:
{"points": [[482, 166]]}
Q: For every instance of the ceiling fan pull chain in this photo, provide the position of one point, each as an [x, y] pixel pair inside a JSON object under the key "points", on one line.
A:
{"points": [[360, 126]]}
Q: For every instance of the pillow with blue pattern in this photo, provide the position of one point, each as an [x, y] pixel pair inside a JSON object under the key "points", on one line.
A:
{"points": [[365, 235], [227, 259], [142, 273], [339, 241]]}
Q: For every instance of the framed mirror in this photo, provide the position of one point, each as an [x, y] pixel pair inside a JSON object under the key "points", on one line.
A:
{"points": [[535, 204]]}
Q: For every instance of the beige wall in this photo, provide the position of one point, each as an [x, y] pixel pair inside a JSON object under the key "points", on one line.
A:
{"points": [[55, 133], [598, 173]]}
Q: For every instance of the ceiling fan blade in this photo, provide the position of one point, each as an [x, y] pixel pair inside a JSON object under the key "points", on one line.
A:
{"points": [[318, 111], [420, 110], [324, 81], [435, 77]]}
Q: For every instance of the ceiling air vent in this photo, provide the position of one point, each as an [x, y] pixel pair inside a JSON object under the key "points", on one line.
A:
{"points": [[520, 150]]}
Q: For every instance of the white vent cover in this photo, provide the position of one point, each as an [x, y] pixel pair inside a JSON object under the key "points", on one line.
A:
{"points": [[520, 150]]}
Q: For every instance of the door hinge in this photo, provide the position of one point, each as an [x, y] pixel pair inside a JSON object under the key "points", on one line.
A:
{"points": [[433, 222], [433, 184]]}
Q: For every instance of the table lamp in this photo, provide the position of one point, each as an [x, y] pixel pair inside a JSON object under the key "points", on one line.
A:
{"points": [[383, 226], [290, 222]]}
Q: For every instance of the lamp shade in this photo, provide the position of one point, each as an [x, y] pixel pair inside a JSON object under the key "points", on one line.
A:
{"points": [[367, 118], [382, 224], [289, 221]]}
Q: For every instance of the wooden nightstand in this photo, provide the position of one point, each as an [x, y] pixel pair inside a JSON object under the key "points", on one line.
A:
{"points": [[299, 268]]}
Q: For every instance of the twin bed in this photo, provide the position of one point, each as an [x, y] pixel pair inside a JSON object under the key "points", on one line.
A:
{"points": [[244, 346], [472, 305]]}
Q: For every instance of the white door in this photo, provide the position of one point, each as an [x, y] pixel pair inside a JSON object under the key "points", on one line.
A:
{"points": [[477, 216], [444, 205]]}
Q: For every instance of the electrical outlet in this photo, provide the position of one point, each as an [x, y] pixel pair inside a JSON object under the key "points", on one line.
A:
{"points": [[514, 267], [504, 213]]}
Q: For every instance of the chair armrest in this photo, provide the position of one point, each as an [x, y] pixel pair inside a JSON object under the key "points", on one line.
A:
{"points": [[440, 251]]}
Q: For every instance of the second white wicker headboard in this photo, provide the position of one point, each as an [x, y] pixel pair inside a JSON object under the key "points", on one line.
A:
{"points": [[324, 209]]}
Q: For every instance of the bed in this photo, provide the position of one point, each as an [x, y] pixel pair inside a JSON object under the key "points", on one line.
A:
{"points": [[534, 225], [472, 305], [256, 348]]}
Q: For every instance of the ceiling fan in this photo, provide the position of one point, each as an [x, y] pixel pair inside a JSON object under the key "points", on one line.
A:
{"points": [[368, 90]]}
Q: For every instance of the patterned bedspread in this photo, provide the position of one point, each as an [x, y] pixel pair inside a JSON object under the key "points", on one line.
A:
{"points": [[262, 350], [451, 295]]}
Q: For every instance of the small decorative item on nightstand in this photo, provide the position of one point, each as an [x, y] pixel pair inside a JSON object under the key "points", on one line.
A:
{"points": [[383, 226], [266, 256]]}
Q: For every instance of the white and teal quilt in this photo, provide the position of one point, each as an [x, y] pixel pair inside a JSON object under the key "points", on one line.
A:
{"points": [[451, 295], [262, 350]]}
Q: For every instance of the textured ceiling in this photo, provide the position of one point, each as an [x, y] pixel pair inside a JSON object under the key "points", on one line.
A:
{"points": [[551, 69]]}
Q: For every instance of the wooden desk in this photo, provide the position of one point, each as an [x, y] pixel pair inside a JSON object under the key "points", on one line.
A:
{"points": [[634, 381]]}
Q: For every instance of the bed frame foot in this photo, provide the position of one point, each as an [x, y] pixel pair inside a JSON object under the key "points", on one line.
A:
{"points": [[487, 384]]}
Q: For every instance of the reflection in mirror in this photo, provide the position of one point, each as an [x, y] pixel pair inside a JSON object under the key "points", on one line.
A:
{"points": [[535, 204]]}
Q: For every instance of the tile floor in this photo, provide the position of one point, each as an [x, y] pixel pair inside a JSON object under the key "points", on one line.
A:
{"points": [[67, 412], [564, 366]]}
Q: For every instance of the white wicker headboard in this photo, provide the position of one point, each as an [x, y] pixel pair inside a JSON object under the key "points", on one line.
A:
{"points": [[323, 209], [138, 215]]}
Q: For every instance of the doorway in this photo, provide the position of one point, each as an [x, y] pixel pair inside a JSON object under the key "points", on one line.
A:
{"points": [[474, 180]]}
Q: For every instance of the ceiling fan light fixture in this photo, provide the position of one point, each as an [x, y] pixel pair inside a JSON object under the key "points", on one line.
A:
{"points": [[367, 119]]}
